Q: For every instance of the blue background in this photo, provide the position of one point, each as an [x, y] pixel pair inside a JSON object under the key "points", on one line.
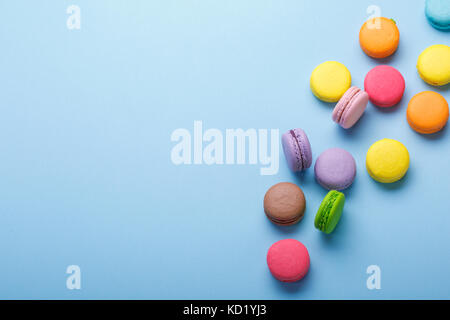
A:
{"points": [[86, 176]]}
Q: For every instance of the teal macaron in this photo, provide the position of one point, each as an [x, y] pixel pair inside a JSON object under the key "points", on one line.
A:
{"points": [[330, 211], [438, 13]]}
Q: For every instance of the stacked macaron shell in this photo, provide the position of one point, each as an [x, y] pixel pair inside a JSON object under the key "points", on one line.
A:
{"points": [[438, 13], [350, 108], [284, 204], [387, 160], [297, 150], [330, 211]]}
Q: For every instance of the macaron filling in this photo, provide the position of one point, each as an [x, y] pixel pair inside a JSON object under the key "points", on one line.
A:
{"points": [[438, 24], [342, 106], [327, 211], [330, 211], [284, 222], [297, 149], [300, 160], [426, 129], [428, 80]]}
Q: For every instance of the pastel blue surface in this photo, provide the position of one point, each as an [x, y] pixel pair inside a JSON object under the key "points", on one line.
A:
{"points": [[438, 13], [86, 176]]}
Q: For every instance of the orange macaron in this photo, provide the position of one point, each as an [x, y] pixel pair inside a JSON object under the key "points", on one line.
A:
{"points": [[427, 112], [379, 37]]}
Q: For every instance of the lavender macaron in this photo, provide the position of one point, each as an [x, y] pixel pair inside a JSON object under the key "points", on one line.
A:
{"points": [[351, 107], [335, 169], [297, 150]]}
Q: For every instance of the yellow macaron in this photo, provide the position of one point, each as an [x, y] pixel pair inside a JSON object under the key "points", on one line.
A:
{"points": [[330, 80], [434, 65], [387, 161]]}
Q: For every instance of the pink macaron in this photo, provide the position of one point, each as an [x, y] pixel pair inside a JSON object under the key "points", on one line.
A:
{"points": [[385, 86], [288, 260], [350, 107]]}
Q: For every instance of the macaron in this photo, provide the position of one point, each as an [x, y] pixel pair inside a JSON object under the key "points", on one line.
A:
{"points": [[387, 161], [427, 112], [284, 204], [438, 13], [297, 150], [350, 108], [335, 169], [433, 65], [330, 211], [385, 86], [379, 37], [288, 260], [330, 80]]}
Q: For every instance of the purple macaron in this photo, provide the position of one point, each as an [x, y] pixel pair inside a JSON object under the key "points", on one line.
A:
{"points": [[335, 169], [351, 107], [297, 150]]}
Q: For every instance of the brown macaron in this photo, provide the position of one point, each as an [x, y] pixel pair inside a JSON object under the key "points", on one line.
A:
{"points": [[284, 204]]}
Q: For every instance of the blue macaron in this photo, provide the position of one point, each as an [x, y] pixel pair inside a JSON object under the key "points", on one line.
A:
{"points": [[438, 13]]}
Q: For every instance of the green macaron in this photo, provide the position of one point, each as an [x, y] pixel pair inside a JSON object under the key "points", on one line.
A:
{"points": [[330, 211]]}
